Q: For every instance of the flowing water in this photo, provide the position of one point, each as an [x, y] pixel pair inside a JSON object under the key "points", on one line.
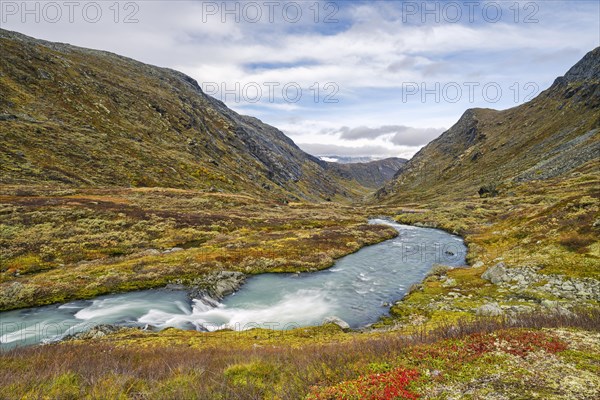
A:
{"points": [[358, 289]]}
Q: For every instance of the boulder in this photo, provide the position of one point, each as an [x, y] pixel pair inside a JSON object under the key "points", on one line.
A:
{"points": [[337, 321], [217, 285], [96, 332], [489, 310], [496, 274], [450, 282]]}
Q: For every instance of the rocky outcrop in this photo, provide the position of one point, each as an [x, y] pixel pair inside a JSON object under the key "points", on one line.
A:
{"points": [[96, 332], [521, 279], [216, 286]]}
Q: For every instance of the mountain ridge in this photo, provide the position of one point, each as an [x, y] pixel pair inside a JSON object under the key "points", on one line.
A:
{"points": [[81, 117], [372, 174], [551, 135]]}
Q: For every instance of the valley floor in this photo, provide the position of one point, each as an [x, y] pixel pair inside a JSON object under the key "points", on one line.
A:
{"points": [[522, 321]]}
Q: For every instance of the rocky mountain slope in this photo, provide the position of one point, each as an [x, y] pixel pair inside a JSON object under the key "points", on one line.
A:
{"points": [[550, 136], [373, 174], [86, 118]]}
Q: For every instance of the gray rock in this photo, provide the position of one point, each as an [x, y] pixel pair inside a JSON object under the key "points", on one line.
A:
{"points": [[173, 250], [337, 321], [150, 252], [489, 310], [496, 274], [478, 264], [520, 279], [96, 332], [450, 282], [567, 287], [7, 117]]}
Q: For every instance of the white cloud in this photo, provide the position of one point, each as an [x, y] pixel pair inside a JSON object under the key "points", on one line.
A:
{"points": [[369, 54], [320, 149]]}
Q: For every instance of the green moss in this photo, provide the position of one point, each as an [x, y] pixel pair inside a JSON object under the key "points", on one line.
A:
{"points": [[584, 360], [258, 374], [66, 386]]}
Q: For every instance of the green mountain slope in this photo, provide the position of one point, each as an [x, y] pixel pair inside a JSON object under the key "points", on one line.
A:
{"points": [[87, 118], [550, 136]]}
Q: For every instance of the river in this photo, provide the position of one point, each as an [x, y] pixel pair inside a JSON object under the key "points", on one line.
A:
{"points": [[358, 289]]}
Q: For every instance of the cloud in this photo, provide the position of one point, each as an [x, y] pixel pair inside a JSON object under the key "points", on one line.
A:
{"points": [[369, 54], [319, 149], [396, 134], [409, 136]]}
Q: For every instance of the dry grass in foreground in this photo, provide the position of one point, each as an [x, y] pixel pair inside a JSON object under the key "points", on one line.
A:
{"points": [[556, 356]]}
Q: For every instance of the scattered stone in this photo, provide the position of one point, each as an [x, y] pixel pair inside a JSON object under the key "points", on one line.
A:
{"points": [[478, 264], [567, 286], [520, 279], [556, 307]]}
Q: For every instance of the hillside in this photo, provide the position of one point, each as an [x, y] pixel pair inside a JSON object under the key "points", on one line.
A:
{"points": [[108, 164], [83, 118], [522, 188], [551, 136], [372, 174]]}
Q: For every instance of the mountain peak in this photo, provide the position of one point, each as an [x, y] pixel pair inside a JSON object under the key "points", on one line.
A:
{"points": [[551, 136], [588, 68]]}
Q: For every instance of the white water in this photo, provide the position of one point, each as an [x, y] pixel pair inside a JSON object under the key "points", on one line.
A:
{"points": [[358, 289]]}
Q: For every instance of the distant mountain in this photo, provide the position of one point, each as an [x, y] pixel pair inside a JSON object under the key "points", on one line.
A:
{"points": [[371, 174], [550, 136], [78, 117], [349, 159]]}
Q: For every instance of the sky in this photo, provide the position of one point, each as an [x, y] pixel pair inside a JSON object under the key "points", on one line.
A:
{"points": [[348, 78]]}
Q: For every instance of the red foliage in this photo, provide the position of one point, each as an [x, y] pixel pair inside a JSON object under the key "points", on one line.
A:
{"points": [[391, 385], [518, 343], [449, 353], [515, 342]]}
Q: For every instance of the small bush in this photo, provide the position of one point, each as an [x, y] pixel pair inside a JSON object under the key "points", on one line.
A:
{"points": [[576, 242], [490, 190], [388, 385], [415, 287], [438, 270]]}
